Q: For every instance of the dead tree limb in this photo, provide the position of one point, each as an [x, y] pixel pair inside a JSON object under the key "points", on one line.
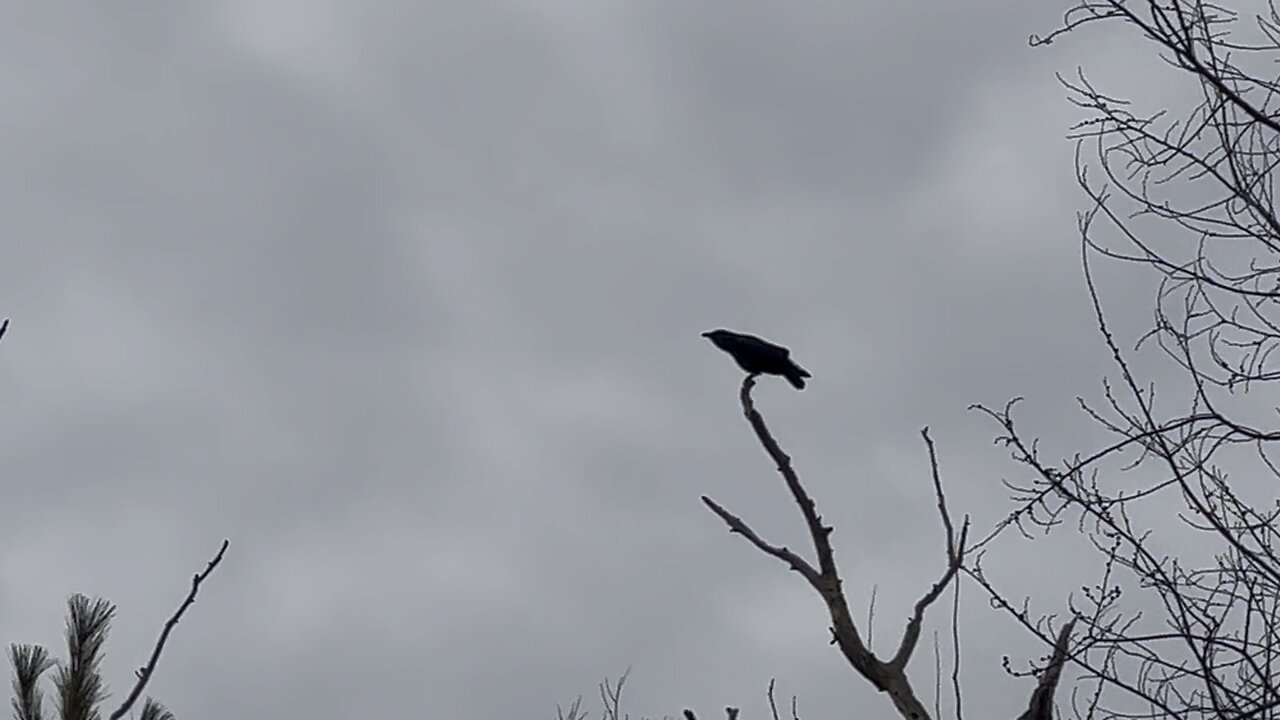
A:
{"points": [[887, 676], [144, 673], [1041, 707]]}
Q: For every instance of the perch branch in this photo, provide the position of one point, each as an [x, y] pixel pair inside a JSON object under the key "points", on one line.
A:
{"points": [[886, 676], [826, 579]]}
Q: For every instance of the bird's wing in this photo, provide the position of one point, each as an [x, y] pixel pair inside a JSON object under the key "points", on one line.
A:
{"points": [[765, 345]]}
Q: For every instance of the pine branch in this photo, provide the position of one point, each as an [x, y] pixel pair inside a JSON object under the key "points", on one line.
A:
{"points": [[30, 662], [152, 710], [78, 682]]}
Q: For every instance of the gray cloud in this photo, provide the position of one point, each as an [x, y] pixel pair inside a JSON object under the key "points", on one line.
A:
{"points": [[405, 298]]}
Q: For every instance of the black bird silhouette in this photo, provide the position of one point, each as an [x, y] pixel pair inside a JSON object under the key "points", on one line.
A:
{"points": [[759, 356]]}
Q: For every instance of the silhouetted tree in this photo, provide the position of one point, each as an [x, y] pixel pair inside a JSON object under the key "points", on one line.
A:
{"points": [[886, 674], [1183, 618]]}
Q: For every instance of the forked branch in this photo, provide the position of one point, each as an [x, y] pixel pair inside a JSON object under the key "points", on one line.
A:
{"points": [[888, 676]]}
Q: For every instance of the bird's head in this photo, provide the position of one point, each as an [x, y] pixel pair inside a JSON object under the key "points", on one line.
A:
{"points": [[721, 338]]}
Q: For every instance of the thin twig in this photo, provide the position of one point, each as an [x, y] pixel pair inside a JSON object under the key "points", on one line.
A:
{"points": [[871, 615], [144, 673], [955, 557], [955, 648], [612, 696], [942, 498], [937, 676], [736, 525]]}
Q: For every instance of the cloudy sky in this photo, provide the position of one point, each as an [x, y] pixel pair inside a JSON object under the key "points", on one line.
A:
{"points": [[404, 300]]}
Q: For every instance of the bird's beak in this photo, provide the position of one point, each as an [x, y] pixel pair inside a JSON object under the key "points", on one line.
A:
{"points": [[706, 334]]}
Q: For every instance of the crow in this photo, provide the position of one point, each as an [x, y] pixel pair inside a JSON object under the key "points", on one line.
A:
{"points": [[758, 356]]}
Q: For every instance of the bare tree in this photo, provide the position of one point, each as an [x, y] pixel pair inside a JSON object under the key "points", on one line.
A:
{"points": [[79, 685], [886, 674], [1183, 618]]}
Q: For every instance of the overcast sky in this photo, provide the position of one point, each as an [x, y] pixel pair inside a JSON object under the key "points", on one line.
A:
{"points": [[404, 299]]}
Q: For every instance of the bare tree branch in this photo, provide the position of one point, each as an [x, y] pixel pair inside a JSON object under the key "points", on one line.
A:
{"points": [[1188, 193], [955, 559], [871, 616], [736, 525], [1041, 707], [574, 711], [611, 696], [955, 650], [886, 676], [144, 673]]}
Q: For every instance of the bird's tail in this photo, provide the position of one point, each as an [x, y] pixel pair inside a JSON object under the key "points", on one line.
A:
{"points": [[796, 375]]}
